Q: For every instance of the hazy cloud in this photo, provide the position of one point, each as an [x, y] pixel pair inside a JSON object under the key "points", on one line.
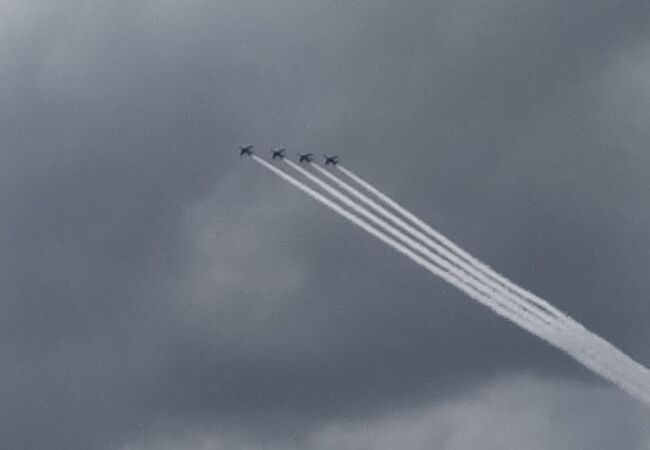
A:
{"points": [[158, 289]]}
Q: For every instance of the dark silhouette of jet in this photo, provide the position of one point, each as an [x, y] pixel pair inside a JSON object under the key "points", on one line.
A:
{"points": [[305, 157], [331, 160], [245, 150], [278, 153]]}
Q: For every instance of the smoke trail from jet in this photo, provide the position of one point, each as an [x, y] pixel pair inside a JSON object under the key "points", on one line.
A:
{"points": [[514, 303], [437, 270], [436, 247], [557, 340], [591, 342], [426, 228], [523, 321], [420, 248], [586, 337]]}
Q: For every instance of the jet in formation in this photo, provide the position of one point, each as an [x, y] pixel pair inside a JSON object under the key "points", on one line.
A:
{"points": [[281, 153], [245, 150], [278, 153], [331, 160]]}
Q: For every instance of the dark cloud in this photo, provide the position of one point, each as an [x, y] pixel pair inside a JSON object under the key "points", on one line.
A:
{"points": [[522, 412], [159, 291]]}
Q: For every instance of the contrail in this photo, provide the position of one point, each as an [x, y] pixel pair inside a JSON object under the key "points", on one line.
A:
{"points": [[641, 373], [386, 227], [554, 339], [461, 274], [436, 247], [482, 298], [520, 307], [541, 309], [426, 228]]}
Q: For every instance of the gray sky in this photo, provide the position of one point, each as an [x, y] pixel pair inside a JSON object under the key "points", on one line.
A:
{"points": [[159, 292]]}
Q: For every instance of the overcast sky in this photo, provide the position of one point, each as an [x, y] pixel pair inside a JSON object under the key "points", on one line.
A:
{"points": [[159, 292]]}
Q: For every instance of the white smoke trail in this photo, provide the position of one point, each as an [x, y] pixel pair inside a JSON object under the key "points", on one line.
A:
{"points": [[435, 258], [591, 343], [436, 247], [513, 302], [595, 343], [426, 228], [482, 298], [553, 339]]}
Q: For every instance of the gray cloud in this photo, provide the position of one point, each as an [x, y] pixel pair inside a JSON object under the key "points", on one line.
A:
{"points": [[522, 413], [152, 280]]}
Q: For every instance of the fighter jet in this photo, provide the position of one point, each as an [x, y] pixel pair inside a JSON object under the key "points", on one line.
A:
{"points": [[245, 150], [331, 160], [305, 157], [278, 153]]}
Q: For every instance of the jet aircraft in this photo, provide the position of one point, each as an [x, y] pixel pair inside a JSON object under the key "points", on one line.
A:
{"points": [[305, 157], [331, 160], [278, 153], [245, 150]]}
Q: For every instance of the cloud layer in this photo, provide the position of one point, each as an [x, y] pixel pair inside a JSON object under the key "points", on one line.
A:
{"points": [[157, 288]]}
